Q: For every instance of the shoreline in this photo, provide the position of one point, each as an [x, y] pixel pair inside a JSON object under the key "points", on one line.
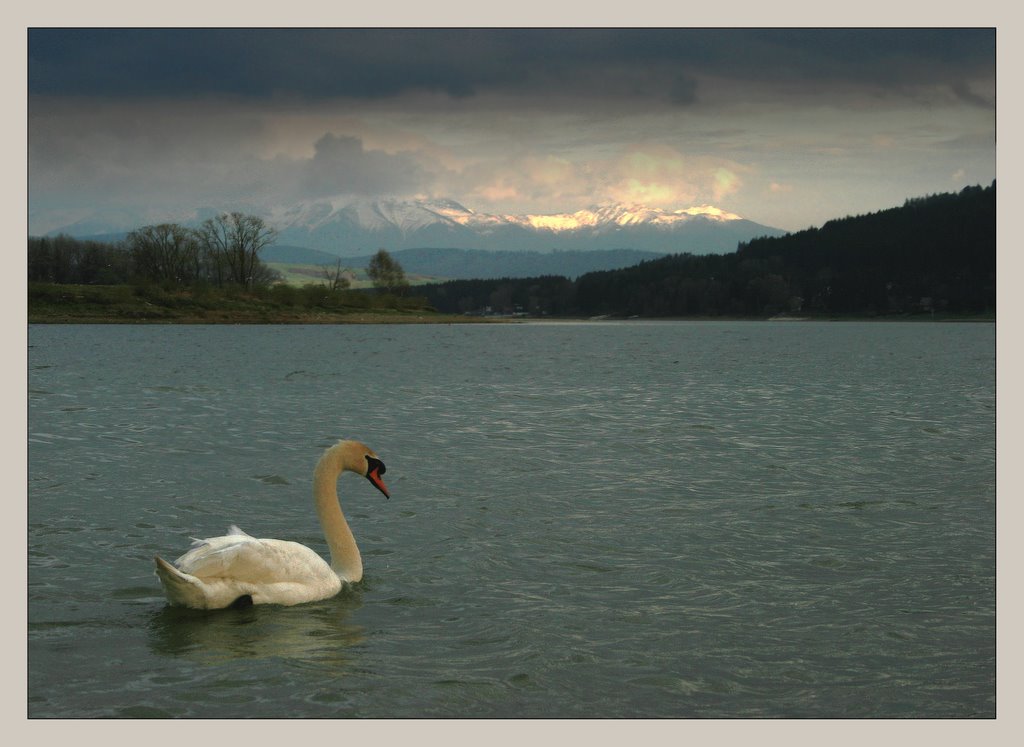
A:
{"points": [[51, 303], [286, 319], [439, 318]]}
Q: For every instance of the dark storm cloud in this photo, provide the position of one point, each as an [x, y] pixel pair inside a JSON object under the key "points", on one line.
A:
{"points": [[375, 63], [255, 62]]}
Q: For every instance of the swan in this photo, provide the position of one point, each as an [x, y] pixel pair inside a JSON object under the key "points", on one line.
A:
{"points": [[237, 569]]}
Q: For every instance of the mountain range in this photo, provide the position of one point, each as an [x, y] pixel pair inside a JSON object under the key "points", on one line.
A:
{"points": [[346, 227]]}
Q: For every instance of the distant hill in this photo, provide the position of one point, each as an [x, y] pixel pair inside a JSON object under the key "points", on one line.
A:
{"points": [[299, 255], [474, 263], [934, 254]]}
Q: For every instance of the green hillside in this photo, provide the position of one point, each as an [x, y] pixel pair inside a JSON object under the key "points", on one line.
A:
{"points": [[302, 274]]}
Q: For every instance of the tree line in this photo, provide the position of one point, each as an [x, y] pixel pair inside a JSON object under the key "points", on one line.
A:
{"points": [[223, 251], [935, 253]]}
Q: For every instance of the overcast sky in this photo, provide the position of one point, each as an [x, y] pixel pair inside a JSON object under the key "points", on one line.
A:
{"points": [[788, 128]]}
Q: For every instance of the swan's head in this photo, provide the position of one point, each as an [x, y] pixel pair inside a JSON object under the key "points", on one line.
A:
{"points": [[360, 458]]}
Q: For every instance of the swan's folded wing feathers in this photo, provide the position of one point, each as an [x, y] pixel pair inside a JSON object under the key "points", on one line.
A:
{"points": [[245, 558], [233, 531], [207, 556]]}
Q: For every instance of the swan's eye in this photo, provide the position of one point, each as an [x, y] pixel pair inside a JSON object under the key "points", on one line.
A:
{"points": [[375, 465]]}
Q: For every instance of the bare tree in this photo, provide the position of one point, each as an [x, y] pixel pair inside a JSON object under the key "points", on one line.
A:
{"points": [[235, 241], [386, 273], [336, 277], [165, 252]]}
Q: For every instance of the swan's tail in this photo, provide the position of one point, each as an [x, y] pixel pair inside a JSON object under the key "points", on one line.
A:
{"points": [[180, 588]]}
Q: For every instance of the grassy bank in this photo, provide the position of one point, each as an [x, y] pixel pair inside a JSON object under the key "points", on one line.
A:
{"points": [[50, 303]]}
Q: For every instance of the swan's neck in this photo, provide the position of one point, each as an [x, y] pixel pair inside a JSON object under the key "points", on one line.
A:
{"points": [[345, 558]]}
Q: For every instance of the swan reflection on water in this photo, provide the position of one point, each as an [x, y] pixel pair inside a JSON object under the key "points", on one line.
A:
{"points": [[315, 633]]}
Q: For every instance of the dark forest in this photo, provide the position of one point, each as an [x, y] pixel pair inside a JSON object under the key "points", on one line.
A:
{"points": [[933, 254]]}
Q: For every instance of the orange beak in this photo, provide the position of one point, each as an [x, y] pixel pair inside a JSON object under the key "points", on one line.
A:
{"points": [[374, 477]]}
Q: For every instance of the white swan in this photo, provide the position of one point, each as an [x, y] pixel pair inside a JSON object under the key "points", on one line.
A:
{"points": [[238, 569]]}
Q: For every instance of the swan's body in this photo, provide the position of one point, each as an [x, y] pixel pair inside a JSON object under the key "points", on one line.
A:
{"points": [[220, 571]]}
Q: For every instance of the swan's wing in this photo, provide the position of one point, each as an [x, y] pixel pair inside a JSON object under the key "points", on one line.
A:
{"points": [[244, 558], [233, 529]]}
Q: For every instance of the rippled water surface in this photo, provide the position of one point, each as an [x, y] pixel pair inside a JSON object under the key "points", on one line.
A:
{"points": [[679, 520]]}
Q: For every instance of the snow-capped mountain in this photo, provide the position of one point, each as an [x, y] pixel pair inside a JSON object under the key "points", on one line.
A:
{"points": [[404, 216], [607, 216], [347, 226]]}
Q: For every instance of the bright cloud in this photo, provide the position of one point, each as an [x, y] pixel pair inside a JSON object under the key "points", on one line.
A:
{"points": [[726, 183]]}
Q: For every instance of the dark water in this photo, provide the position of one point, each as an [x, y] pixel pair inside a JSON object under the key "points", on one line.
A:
{"points": [[587, 520]]}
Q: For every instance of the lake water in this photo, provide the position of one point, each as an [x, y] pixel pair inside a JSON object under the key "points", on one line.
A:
{"points": [[635, 519]]}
